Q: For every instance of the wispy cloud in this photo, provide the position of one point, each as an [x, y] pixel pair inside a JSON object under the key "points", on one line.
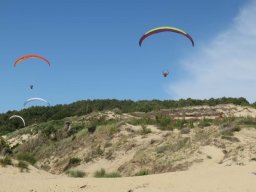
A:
{"points": [[226, 66]]}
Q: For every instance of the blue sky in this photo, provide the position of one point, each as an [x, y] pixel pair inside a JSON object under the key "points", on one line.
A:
{"points": [[94, 53]]}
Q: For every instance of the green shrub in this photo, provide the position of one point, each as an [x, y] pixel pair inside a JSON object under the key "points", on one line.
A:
{"points": [[28, 157], [51, 127], [230, 138], [205, 123], [112, 175], [109, 129], [75, 129], [4, 147], [229, 128], [22, 165], [103, 174], [224, 120], [142, 121], [162, 149], [142, 173], [96, 121], [72, 163], [190, 124], [164, 122], [91, 128], [117, 111], [100, 173], [174, 147], [145, 130], [75, 173], [248, 121], [180, 123], [3, 143], [6, 161]]}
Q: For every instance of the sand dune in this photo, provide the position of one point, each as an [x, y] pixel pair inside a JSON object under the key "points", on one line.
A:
{"points": [[217, 172]]}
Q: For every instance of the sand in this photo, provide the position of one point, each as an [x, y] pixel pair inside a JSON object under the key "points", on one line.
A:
{"points": [[211, 178]]}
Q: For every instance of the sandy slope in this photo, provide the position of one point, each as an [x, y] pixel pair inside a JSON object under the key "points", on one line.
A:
{"points": [[213, 178]]}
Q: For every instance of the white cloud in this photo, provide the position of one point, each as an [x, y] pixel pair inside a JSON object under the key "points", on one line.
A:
{"points": [[226, 66]]}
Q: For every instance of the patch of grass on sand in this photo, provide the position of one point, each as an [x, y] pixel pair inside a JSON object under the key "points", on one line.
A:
{"points": [[75, 173], [103, 174], [141, 172]]}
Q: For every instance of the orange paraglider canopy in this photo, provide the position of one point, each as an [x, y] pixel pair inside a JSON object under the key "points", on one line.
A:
{"points": [[30, 57]]}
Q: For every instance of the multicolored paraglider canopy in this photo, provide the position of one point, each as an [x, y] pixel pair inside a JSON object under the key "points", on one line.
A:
{"points": [[30, 57], [165, 29]]}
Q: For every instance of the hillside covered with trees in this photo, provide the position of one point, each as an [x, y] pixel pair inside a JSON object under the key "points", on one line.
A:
{"points": [[38, 114]]}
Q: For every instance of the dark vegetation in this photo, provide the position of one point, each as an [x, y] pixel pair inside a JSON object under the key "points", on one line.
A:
{"points": [[28, 157], [4, 147], [5, 161], [34, 115], [103, 174], [72, 163], [141, 173], [75, 173], [23, 166]]}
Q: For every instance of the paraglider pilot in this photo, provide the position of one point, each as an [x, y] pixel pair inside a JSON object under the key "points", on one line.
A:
{"points": [[165, 73]]}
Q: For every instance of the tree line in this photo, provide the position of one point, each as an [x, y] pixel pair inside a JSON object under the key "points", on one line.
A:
{"points": [[42, 113]]}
